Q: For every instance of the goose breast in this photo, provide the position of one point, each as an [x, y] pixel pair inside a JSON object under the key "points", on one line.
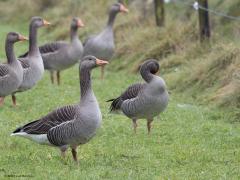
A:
{"points": [[32, 72], [101, 46]]}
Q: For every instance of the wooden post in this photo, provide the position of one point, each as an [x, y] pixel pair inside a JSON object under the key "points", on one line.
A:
{"points": [[159, 12], [205, 32]]}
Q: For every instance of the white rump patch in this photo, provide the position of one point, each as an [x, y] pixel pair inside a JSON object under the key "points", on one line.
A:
{"points": [[38, 138]]}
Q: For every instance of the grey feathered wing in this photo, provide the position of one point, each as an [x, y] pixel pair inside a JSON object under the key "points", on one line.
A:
{"points": [[24, 63], [3, 70], [53, 119], [131, 92], [49, 48]]}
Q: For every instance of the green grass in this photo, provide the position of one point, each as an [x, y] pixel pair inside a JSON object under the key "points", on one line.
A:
{"points": [[187, 141]]}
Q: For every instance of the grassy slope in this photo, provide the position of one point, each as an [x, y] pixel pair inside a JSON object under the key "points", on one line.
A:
{"points": [[189, 142]]}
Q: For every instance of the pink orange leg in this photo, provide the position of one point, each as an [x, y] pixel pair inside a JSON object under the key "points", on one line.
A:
{"points": [[58, 77], [134, 125], [14, 100], [149, 126], [74, 154]]}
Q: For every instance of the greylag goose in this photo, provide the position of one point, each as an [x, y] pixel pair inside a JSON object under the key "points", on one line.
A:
{"points": [[102, 45], [61, 55], [71, 125], [11, 73], [143, 100], [32, 64]]}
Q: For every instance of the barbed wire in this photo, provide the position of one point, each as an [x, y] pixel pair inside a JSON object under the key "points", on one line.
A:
{"points": [[195, 5]]}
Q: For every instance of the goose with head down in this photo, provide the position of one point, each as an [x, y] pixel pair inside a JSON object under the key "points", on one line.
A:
{"points": [[102, 45], [11, 73], [32, 64], [60, 55], [71, 125], [143, 100]]}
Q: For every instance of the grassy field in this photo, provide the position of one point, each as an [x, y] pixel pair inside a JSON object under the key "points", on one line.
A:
{"points": [[187, 141]]}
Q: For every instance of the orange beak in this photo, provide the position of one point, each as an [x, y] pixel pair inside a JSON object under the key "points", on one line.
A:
{"points": [[22, 38], [100, 62], [46, 23], [80, 23], [123, 9]]}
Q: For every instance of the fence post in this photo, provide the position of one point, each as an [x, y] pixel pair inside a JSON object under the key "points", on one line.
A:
{"points": [[205, 32], [159, 12]]}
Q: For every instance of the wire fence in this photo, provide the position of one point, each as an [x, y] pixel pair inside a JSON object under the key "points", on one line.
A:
{"points": [[195, 5]]}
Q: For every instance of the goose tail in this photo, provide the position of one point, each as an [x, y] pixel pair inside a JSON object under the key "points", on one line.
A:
{"points": [[38, 138], [17, 132], [116, 104]]}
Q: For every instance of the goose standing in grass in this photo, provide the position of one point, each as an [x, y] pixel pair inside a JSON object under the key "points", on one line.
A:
{"points": [[32, 64], [143, 100], [11, 73], [72, 125], [102, 45], [61, 55]]}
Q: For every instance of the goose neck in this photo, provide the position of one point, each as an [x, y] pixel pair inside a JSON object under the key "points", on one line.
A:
{"points": [[9, 48], [33, 48], [146, 74], [73, 33], [85, 81], [111, 18]]}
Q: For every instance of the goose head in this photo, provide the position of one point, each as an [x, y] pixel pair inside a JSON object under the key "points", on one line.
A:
{"points": [[15, 37], [90, 62], [148, 69], [150, 65], [118, 7], [39, 22], [114, 10], [76, 23]]}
